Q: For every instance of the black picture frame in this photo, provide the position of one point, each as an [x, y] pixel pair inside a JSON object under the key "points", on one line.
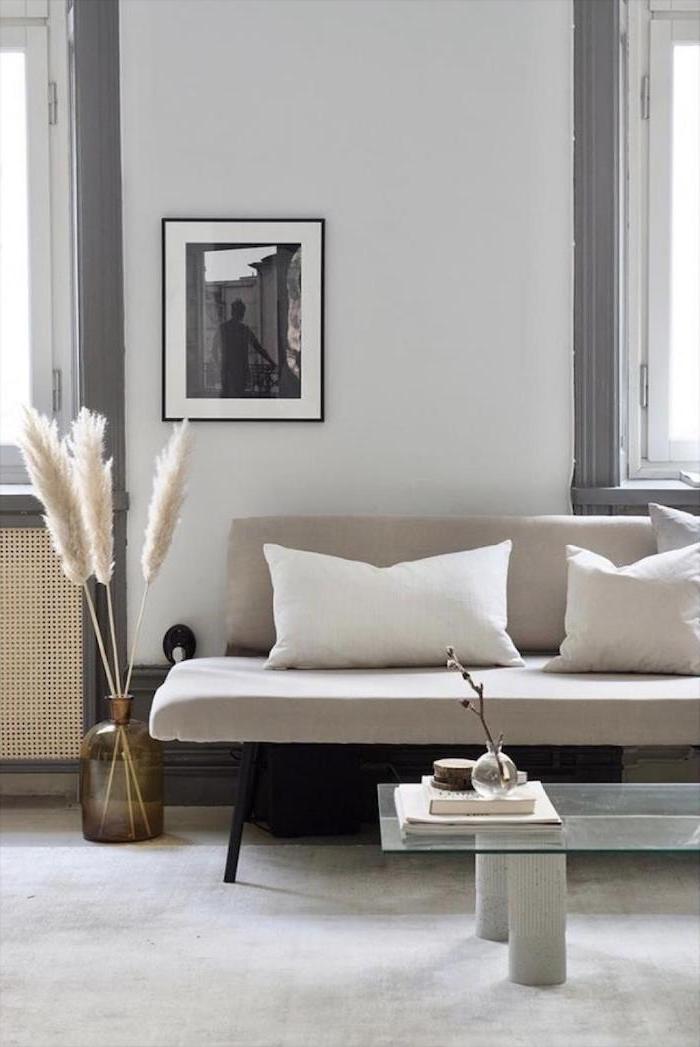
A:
{"points": [[204, 377]]}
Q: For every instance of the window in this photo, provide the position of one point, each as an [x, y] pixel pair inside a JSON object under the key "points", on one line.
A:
{"points": [[35, 229], [663, 237], [14, 242]]}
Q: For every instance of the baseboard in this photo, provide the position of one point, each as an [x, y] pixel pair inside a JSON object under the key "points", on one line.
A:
{"points": [[192, 776], [34, 767], [666, 763], [200, 775], [39, 784]]}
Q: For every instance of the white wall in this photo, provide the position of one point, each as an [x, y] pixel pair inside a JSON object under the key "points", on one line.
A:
{"points": [[435, 138]]}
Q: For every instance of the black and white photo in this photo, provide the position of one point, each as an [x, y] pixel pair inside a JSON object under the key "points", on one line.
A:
{"points": [[243, 315]]}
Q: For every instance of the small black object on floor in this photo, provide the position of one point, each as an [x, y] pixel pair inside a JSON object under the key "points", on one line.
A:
{"points": [[309, 790]]}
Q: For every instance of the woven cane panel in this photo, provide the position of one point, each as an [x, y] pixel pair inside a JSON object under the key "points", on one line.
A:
{"points": [[41, 651]]}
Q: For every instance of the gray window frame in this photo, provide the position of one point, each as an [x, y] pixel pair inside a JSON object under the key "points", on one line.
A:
{"points": [[600, 367], [597, 244], [93, 30]]}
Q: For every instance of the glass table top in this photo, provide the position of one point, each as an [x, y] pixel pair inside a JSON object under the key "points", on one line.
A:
{"points": [[601, 818]]}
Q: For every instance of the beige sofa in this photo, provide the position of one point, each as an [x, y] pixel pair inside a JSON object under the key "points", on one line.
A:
{"points": [[236, 699]]}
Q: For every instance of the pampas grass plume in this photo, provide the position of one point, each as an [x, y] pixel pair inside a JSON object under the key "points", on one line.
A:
{"points": [[167, 498], [50, 471], [93, 480]]}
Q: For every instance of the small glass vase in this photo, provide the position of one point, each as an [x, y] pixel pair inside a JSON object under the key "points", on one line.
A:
{"points": [[121, 779], [494, 773]]}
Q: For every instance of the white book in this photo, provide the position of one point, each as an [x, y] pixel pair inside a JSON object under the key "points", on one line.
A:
{"points": [[519, 801], [415, 818]]}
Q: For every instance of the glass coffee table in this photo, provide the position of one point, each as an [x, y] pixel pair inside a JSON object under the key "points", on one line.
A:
{"points": [[521, 874]]}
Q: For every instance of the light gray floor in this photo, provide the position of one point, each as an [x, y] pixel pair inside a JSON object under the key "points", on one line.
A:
{"points": [[325, 944]]}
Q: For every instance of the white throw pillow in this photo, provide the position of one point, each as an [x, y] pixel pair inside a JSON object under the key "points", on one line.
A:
{"points": [[643, 618], [674, 529], [332, 613]]}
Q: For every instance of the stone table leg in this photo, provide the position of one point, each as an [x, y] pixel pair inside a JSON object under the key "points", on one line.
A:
{"points": [[492, 897], [537, 918]]}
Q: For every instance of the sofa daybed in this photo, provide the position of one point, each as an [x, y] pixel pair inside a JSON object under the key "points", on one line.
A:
{"points": [[237, 699]]}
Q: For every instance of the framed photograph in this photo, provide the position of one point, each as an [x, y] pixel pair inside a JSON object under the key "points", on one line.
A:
{"points": [[243, 319]]}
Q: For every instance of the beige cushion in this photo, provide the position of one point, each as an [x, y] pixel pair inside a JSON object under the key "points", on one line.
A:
{"points": [[536, 579], [642, 618], [237, 699], [332, 613]]}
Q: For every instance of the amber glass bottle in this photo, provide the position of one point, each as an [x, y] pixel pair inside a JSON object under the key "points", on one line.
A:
{"points": [[121, 779]]}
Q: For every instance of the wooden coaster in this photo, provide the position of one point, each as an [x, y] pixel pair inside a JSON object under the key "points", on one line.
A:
{"points": [[454, 772]]}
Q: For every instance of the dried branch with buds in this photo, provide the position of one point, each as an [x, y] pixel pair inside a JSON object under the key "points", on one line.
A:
{"points": [[478, 708]]}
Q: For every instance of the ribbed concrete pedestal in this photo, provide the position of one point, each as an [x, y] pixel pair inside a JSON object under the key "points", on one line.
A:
{"points": [[491, 897], [537, 918]]}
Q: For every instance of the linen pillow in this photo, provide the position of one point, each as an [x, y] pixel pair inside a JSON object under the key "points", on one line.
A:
{"points": [[643, 618], [334, 613], [674, 529]]}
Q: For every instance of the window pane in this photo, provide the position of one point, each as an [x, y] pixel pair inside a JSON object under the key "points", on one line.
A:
{"points": [[14, 245], [685, 249]]}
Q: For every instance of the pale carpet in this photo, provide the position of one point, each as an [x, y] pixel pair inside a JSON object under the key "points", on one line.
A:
{"points": [[321, 945]]}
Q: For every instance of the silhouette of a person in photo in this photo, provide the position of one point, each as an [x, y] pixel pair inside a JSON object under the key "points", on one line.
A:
{"points": [[234, 338]]}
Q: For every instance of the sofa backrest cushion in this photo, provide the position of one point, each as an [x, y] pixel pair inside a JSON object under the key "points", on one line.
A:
{"points": [[536, 580]]}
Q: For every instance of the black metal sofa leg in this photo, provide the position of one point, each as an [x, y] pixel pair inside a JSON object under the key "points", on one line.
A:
{"points": [[243, 808]]}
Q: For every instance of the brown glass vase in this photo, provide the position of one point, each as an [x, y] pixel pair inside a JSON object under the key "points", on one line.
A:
{"points": [[121, 779]]}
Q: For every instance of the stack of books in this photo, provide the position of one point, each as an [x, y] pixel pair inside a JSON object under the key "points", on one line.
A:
{"points": [[423, 810]]}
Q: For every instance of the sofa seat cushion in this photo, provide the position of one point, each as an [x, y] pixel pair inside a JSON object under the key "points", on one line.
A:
{"points": [[236, 700]]}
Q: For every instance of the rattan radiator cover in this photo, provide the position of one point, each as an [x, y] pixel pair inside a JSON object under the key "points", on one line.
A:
{"points": [[41, 651]]}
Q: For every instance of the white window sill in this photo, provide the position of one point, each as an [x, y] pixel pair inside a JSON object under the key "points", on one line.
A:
{"points": [[653, 483], [639, 493]]}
